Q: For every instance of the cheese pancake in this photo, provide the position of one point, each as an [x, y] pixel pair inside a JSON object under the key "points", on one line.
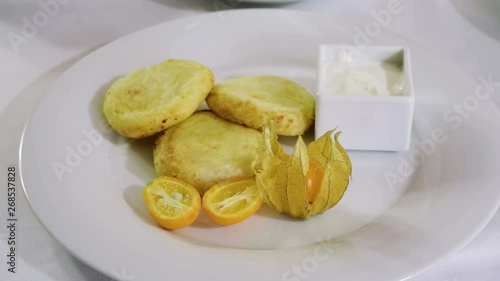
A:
{"points": [[255, 100], [148, 100], [205, 149]]}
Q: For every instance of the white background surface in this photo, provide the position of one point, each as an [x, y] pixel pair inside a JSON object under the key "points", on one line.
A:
{"points": [[467, 32]]}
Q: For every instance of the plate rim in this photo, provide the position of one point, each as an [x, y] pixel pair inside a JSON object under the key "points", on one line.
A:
{"points": [[438, 260]]}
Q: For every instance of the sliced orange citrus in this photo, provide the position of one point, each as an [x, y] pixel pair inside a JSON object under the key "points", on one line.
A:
{"points": [[232, 201], [173, 203]]}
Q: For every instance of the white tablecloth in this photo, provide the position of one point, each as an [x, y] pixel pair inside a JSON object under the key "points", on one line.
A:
{"points": [[467, 32]]}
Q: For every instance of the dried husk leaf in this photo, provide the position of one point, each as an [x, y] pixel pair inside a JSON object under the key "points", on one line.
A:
{"points": [[321, 151], [296, 191], [281, 178], [270, 167], [337, 171], [341, 173]]}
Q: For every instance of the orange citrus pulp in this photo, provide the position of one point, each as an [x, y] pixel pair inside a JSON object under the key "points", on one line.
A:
{"points": [[173, 203], [232, 201]]}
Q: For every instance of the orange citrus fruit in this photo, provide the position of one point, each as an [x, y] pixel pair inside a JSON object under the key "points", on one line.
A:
{"points": [[173, 203], [232, 200]]}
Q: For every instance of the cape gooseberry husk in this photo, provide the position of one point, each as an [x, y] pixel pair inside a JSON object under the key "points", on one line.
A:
{"points": [[281, 178]]}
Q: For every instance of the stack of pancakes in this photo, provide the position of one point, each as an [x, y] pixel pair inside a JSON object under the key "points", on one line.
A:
{"points": [[204, 147]]}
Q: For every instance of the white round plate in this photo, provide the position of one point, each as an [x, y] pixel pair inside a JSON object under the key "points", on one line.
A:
{"points": [[402, 213], [270, 1]]}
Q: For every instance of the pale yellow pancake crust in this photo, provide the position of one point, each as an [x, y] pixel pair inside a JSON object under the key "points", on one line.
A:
{"points": [[205, 149], [256, 100], [147, 101]]}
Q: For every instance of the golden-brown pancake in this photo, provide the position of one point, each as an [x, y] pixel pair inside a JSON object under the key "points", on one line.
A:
{"points": [[148, 100], [205, 149], [256, 100]]}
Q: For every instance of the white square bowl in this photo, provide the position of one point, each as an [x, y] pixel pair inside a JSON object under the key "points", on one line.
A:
{"points": [[373, 122]]}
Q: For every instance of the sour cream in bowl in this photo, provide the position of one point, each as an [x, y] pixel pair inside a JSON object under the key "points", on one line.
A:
{"points": [[366, 93]]}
